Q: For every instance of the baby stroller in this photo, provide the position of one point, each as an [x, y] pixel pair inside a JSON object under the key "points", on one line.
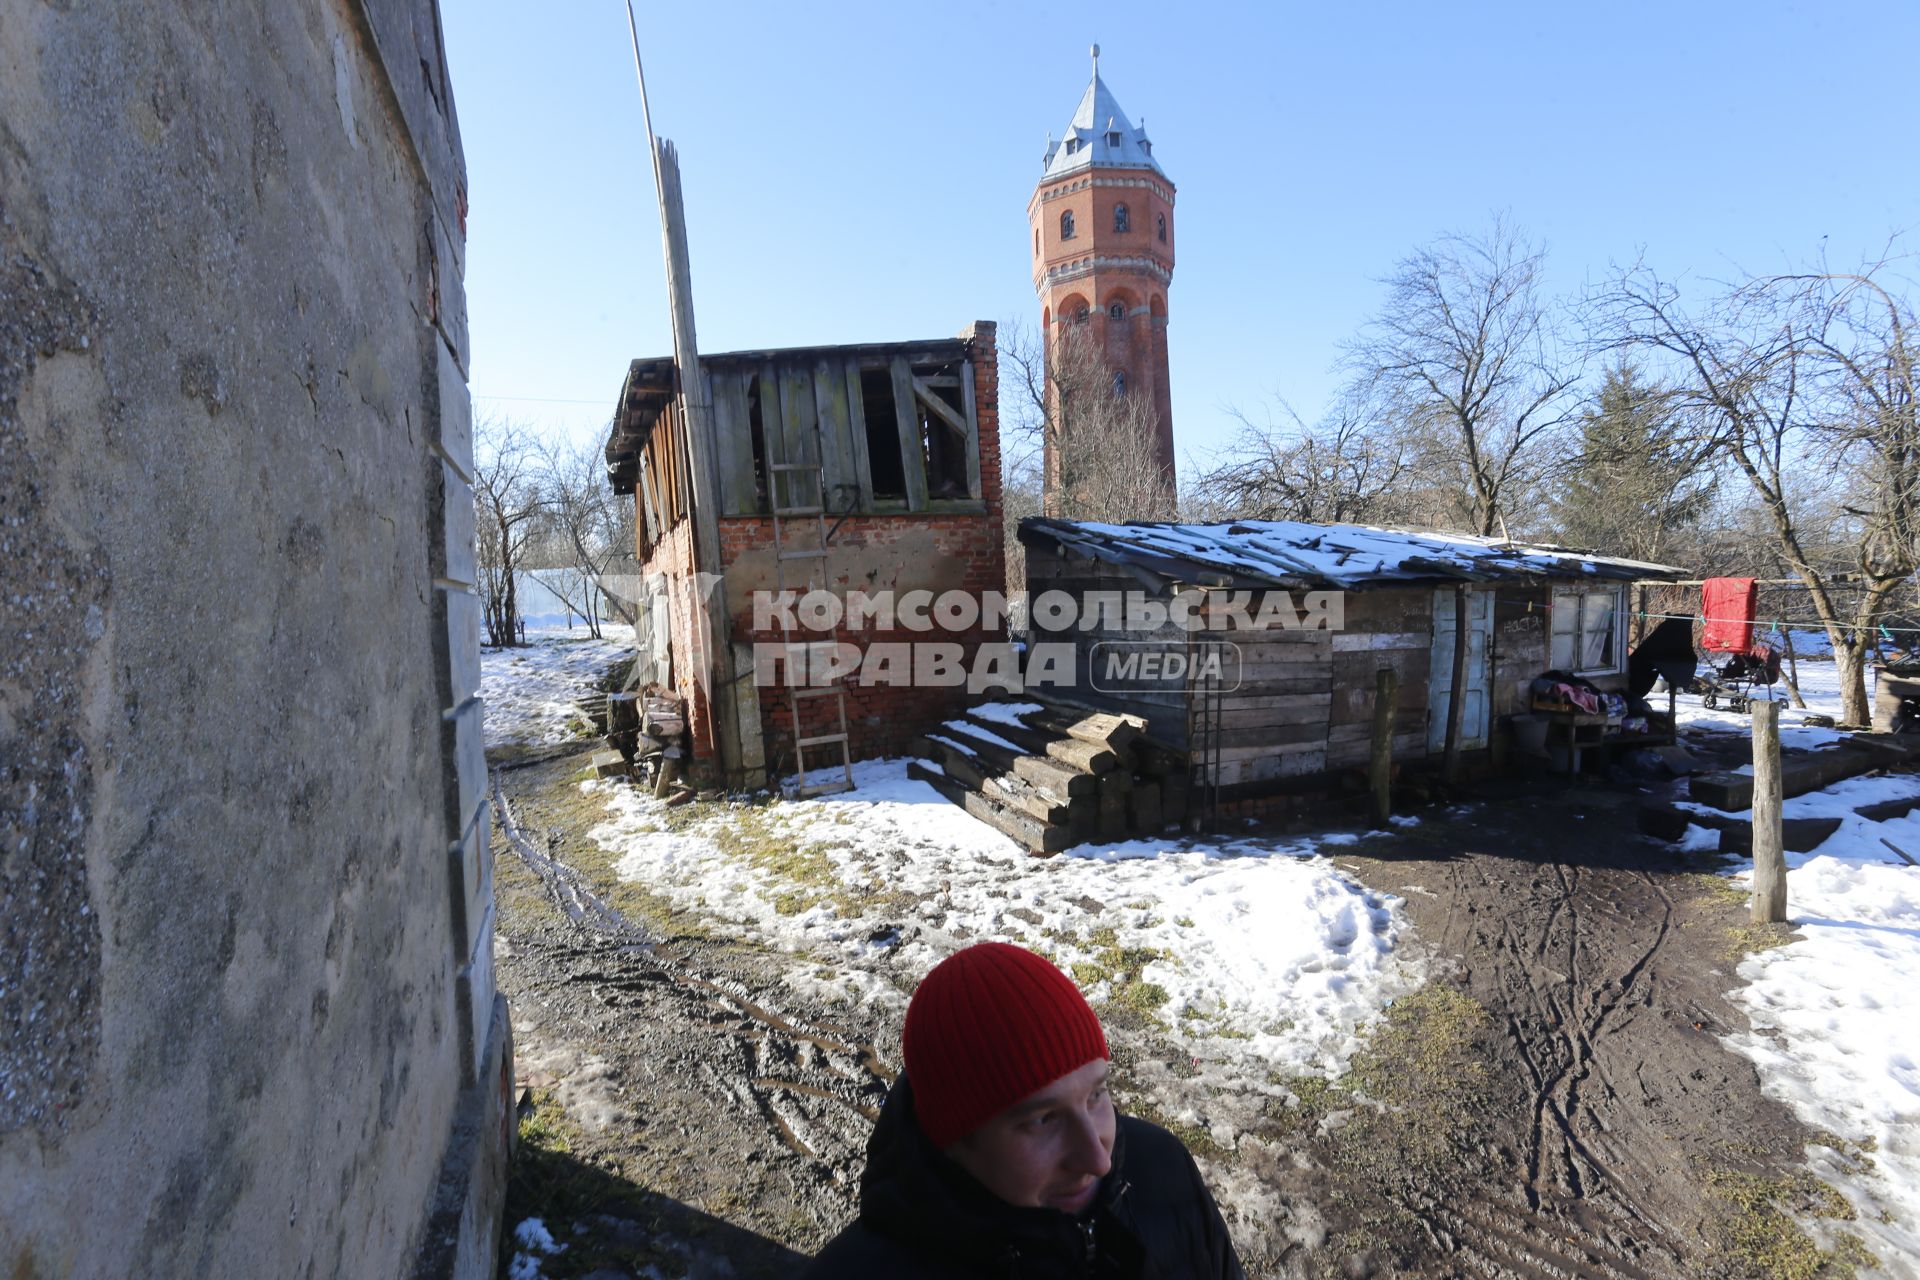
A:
{"points": [[1737, 664], [1733, 681]]}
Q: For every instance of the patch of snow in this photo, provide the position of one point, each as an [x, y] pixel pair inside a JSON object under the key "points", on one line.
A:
{"points": [[1819, 688], [1833, 1012], [535, 1242], [1262, 952], [1337, 554], [528, 692], [1700, 839], [982, 734], [1007, 713]]}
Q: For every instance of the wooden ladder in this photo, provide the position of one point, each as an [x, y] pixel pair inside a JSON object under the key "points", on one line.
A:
{"points": [[809, 511], [1204, 698]]}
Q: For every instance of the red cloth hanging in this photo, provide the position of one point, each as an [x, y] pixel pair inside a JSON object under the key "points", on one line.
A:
{"points": [[1726, 606]]}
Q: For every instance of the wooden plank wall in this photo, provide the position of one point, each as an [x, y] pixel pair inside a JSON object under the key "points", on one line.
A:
{"points": [[1304, 703], [1164, 707], [1520, 621], [813, 411], [1385, 628], [1274, 725]]}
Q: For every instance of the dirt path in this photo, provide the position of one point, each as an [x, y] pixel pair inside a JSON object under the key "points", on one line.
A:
{"points": [[1616, 1137], [1556, 1103], [688, 1106]]}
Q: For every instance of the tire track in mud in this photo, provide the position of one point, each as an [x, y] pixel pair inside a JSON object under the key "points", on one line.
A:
{"points": [[1610, 1095], [815, 1085], [1562, 991]]}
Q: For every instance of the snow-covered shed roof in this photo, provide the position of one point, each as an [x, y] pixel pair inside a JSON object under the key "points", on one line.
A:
{"points": [[1294, 554], [1099, 134]]}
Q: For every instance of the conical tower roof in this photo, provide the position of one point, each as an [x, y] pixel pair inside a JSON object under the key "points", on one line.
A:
{"points": [[1100, 134]]}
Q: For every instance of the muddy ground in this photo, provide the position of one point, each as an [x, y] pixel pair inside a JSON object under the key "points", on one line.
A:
{"points": [[1555, 1102]]}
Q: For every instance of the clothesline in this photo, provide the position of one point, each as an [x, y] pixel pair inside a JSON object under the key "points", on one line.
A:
{"points": [[1777, 624]]}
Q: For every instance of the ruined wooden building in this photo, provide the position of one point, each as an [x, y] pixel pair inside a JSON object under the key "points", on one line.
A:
{"points": [[1322, 609], [870, 469]]}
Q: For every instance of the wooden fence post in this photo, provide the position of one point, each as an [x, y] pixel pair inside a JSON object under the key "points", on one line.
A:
{"points": [[1380, 766], [1769, 856]]}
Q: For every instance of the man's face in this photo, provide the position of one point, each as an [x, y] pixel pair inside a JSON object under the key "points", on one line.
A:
{"points": [[1050, 1149]]}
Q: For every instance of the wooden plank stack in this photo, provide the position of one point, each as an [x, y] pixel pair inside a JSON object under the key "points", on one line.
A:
{"points": [[1055, 777]]}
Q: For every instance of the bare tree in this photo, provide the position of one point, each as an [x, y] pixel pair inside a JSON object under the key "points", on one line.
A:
{"points": [[1095, 438], [508, 508], [1467, 347], [587, 536], [1807, 382], [1347, 468]]}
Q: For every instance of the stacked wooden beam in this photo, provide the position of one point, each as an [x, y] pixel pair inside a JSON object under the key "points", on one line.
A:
{"points": [[1054, 777]]}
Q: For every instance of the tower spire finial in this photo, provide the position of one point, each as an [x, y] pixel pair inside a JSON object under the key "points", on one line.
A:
{"points": [[1096, 60]]}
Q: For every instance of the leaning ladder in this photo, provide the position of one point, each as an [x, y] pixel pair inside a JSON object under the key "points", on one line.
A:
{"points": [[803, 481]]}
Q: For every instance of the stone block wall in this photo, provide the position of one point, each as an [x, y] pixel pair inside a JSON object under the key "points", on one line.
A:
{"points": [[248, 1024]]}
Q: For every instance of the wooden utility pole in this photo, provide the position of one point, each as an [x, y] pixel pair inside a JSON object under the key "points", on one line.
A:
{"points": [[1456, 693], [1380, 766], [1769, 856], [710, 632]]}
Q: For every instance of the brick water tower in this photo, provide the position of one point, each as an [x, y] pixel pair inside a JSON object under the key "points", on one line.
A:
{"points": [[1102, 223]]}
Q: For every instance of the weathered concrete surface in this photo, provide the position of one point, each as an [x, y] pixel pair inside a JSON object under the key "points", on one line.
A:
{"points": [[245, 901]]}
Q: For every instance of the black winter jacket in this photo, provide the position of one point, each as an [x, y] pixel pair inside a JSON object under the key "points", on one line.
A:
{"points": [[922, 1217]]}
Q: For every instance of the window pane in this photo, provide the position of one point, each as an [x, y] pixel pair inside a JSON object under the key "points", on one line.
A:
{"points": [[1596, 631]]}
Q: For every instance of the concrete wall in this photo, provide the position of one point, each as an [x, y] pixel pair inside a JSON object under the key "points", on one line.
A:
{"points": [[247, 1015]]}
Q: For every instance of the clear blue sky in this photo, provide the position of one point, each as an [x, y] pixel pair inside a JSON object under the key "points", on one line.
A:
{"points": [[860, 172]]}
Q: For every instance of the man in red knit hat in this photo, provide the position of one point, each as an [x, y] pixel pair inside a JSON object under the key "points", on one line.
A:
{"points": [[999, 1152]]}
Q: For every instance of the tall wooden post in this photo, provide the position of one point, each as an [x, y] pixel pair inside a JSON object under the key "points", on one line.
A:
{"points": [[1457, 692], [1769, 856], [1380, 767], [710, 631]]}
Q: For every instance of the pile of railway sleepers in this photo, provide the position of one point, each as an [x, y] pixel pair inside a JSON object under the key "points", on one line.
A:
{"points": [[1052, 776]]}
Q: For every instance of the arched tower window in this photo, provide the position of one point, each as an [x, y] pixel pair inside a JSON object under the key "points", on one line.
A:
{"points": [[1066, 224], [1161, 230], [1080, 316], [1036, 242], [1120, 220], [1117, 311], [1119, 382]]}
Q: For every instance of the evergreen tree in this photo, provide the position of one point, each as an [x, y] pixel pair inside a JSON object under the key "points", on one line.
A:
{"points": [[1640, 476]]}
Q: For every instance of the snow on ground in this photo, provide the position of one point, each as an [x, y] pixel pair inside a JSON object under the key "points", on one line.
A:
{"points": [[528, 692], [1836, 1013], [534, 1242], [1240, 948], [1819, 688]]}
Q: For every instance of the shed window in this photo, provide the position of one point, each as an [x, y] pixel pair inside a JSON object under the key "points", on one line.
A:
{"points": [[1589, 631], [1120, 220], [885, 466], [1073, 145], [1066, 225], [757, 441], [1113, 137], [943, 449]]}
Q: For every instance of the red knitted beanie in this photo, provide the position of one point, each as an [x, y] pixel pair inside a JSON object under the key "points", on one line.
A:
{"points": [[990, 1025]]}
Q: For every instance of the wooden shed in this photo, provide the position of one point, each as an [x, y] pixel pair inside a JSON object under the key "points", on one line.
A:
{"points": [[1299, 619], [871, 468]]}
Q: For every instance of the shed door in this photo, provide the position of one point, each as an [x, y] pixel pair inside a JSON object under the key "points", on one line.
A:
{"points": [[1473, 724]]}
